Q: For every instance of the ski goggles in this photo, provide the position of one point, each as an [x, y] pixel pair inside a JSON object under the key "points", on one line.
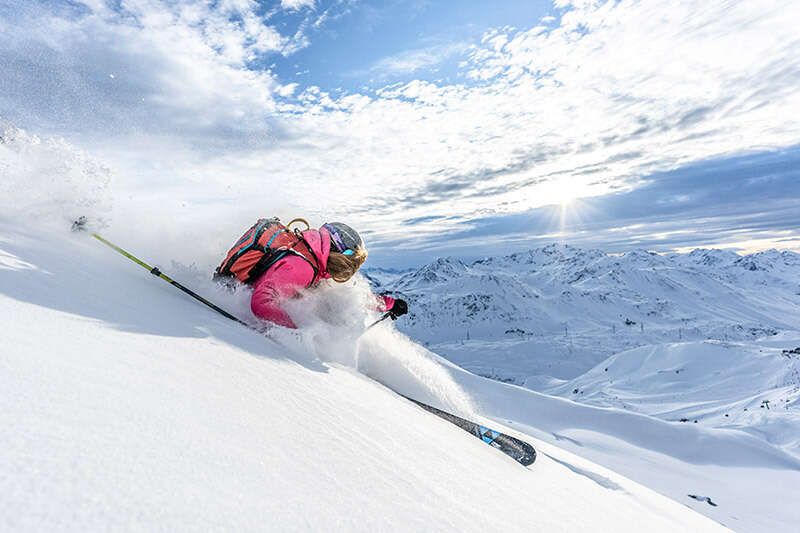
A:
{"points": [[337, 240]]}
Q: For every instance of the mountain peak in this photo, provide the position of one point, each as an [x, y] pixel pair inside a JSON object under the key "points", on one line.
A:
{"points": [[441, 270]]}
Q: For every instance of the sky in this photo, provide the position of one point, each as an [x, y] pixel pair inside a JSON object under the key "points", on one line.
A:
{"points": [[434, 127]]}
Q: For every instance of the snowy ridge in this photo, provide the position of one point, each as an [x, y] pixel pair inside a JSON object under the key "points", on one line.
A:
{"points": [[561, 310]]}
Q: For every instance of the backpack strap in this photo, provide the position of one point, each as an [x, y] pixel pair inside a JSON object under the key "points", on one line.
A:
{"points": [[315, 264], [269, 259], [272, 256]]}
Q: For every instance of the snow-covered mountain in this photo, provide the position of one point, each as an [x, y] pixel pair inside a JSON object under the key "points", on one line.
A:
{"points": [[559, 310]]}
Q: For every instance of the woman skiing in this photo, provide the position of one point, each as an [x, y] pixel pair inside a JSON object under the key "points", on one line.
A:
{"points": [[279, 263]]}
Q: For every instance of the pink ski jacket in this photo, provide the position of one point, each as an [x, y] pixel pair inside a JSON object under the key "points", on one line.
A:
{"points": [[287, 277]]}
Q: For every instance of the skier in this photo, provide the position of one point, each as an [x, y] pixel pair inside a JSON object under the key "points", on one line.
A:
{"points": [[279, 263]]}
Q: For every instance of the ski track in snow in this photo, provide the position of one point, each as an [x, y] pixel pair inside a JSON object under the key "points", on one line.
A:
{"points": [[600, 480]]}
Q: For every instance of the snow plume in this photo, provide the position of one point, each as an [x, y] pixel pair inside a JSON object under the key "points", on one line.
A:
{"points": [[393, 359], [332, 322], [49, 181]]}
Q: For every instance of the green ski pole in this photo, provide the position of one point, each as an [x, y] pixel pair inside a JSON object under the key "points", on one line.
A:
{"points": [[156, 272]]}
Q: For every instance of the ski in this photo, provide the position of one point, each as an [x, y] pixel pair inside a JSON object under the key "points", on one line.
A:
{"points": [[517, 449]]}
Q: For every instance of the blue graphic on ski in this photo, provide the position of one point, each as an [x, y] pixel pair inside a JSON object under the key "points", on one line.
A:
{"points": [[517, 449]]}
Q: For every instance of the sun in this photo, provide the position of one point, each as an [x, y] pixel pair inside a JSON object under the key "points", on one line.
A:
{"points": [[561, 192], [563, 199]]}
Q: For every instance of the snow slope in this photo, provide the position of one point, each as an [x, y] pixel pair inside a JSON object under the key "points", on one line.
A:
{"points": [[743, 386], [126, 405]]}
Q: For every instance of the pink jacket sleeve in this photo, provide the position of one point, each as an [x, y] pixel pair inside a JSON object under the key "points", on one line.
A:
{"points": [[281, 281], [385, 303]]}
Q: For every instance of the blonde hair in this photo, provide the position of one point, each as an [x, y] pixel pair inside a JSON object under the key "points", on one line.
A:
{"points": [[343, 267]]}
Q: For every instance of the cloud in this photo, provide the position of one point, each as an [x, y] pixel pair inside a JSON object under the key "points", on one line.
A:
{"points": [[743, 202], [413, 61], [615, 92], [587, 105], [177, 68], [296, 5]]}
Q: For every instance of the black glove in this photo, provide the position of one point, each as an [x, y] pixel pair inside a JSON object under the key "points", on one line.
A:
{"points": [[399, 308]]}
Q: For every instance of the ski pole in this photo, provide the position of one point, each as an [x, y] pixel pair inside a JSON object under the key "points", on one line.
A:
{"points": [[381, 319], [156, 272]]}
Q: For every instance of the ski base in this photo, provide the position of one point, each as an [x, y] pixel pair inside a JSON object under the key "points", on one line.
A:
{"points": [[517, 449]]}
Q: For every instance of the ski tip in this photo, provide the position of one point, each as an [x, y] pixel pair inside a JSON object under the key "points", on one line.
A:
{"points": [[530, 455]]}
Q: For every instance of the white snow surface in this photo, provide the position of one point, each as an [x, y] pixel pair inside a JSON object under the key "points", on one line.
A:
{"points": [[745, 386], [127, 405]]}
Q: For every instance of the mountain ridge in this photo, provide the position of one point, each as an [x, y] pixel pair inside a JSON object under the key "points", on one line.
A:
{"points": [[596, 303]]}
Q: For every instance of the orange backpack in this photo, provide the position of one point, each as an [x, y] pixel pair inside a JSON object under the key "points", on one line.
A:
{"points": [[266, 242]]}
